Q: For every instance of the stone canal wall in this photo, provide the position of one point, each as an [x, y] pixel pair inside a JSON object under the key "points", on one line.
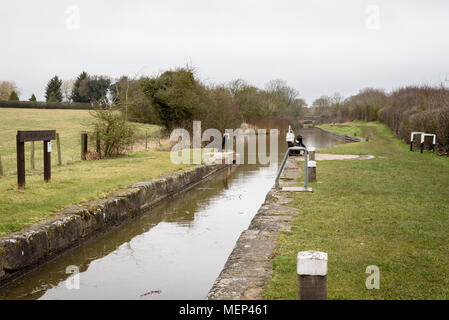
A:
{"points": [[248, 268], [22, 251]]}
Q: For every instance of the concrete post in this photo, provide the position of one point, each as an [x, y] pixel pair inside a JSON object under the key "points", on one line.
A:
{"points": [[312, 171], [312, 275], [311, 153]]}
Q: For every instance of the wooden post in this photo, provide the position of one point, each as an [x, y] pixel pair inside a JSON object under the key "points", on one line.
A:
{"points": [[37, 135], [98, 144], [146, 139], [33, 164], [312, 275], [20, 163], [58, 147], [83, 146], [47, 161], [1, 167], [312, 171]]}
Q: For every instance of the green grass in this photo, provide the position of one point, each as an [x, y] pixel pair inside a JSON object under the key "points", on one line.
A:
{"points": [[68, 123], [73, 182], [392, 212], [344, 128]]}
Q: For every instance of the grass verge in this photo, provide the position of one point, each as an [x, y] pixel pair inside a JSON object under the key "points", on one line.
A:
{"points": [[75, 183], [350, 129], [68, 123], [392, 212]]}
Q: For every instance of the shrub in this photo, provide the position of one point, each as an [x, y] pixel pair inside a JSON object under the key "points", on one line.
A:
{"points": [[114, 134]]}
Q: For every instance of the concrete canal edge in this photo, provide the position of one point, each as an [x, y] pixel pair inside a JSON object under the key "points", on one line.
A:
{"points": [[23, 251], [248, 268]]}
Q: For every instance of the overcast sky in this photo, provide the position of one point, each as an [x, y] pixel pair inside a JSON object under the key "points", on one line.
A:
{"points": [[318, 47]]}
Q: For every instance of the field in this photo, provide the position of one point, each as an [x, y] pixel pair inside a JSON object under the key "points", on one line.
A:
{"points": [[68, 123], [74, 181], [391, 212], [350, 130]]}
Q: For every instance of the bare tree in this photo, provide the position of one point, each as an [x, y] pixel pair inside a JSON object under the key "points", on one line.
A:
{"points": [[66, 88], [6, 87]]}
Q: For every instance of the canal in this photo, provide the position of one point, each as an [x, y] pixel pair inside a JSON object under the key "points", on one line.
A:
{"points": [[175, 251]]}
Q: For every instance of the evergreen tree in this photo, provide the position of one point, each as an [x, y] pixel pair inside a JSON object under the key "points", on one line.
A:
{"points": [[13, 96], [52, 98], [33, 98], [77, 96], [54, 89]]}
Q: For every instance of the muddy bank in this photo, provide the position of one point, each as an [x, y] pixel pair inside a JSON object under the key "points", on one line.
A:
{"points": [[23, 251]]}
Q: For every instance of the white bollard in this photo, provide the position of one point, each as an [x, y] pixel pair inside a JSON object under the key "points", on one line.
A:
{"points": [[312, 275], [312, 171], [311, 153]]}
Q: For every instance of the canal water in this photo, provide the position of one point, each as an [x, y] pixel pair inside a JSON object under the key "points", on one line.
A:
{"points": [[175, 251]]}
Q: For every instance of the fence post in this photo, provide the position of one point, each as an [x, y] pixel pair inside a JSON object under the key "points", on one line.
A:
{"points": [[83, 146], [20, 146], [146, 139], [98, 143], [422, 143], [33, 164], [47, 160], [58, 147], [1, 167], [312, 275]]}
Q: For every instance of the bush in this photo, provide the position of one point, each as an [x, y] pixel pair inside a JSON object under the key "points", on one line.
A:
{"points": [[423, 109], [114, 134]]}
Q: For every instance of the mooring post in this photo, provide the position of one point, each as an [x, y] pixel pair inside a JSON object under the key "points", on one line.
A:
{"points": [[312, 275], [33, 164], [47, 161], [312, 171], [83, 146], [20, 163], [311, 153], [58, 147]]}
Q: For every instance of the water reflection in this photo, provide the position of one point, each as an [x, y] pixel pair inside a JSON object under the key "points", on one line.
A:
{"points": [[175, 251]]}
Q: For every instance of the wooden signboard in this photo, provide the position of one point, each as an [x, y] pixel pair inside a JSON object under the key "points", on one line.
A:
{"points": [[41, 135]]}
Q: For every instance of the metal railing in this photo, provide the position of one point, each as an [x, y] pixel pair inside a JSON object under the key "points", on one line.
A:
{"points": [[284, 162]]}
